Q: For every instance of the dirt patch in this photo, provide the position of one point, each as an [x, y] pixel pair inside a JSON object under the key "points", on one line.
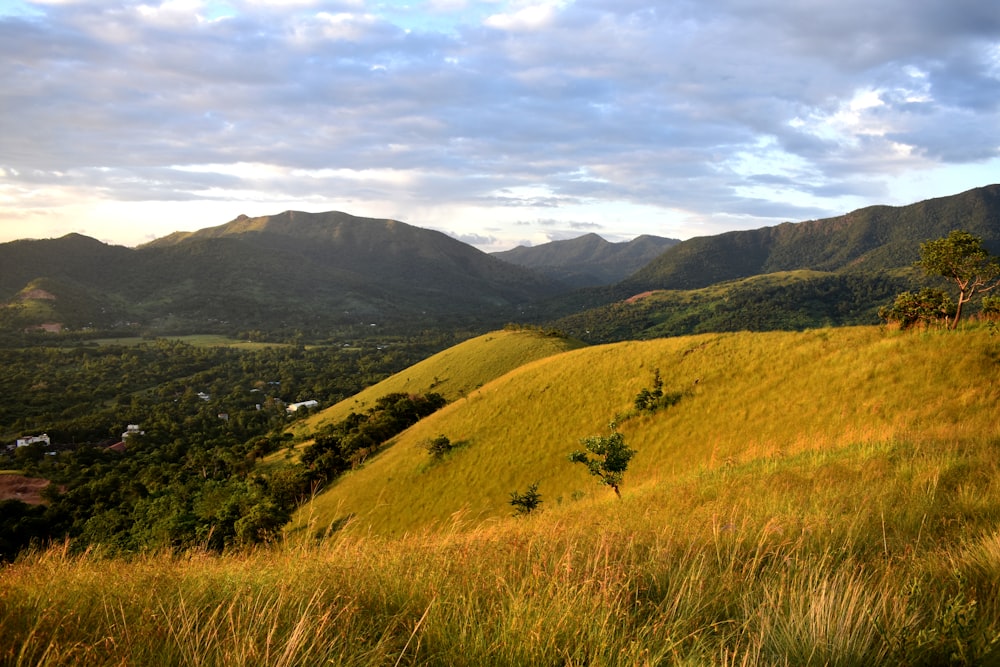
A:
{"points": [[639, 297], [37, 294], [26, 489]]}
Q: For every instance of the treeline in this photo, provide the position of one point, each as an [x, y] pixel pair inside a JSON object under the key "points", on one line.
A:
{"points": [[790, 303], [347, 443]]}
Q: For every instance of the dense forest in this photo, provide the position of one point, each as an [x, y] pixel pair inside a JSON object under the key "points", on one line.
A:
{"points": [[202, 417]]}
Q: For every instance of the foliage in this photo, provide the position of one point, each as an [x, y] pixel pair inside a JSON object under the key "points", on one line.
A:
{"points": [[610, 460], [651, 400], [787, 301], [991, 307], [208, 415], [527, 502], [962, 259], [928, 306], [346, 444], [439, 446]]}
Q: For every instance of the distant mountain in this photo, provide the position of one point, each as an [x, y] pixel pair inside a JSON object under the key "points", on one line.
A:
{"points": [[316, 272], [285, 271], [830, 272], [877, 238], [589, 260]]}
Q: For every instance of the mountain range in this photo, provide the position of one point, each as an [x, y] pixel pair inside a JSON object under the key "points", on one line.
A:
{"points": [[317, 271], [588, 260]]}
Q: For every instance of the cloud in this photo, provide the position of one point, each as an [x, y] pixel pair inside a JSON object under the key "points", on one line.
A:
{"points": [[737, 111]]}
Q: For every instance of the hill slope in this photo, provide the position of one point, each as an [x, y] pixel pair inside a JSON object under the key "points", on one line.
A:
{"points": [[821, 498], [747, 399], [877, 238], [789, 300], [589, 260], [454, 372]]}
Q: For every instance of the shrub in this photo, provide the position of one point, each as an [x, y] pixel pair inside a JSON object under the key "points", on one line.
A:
{"points": [[527, 502], [927, 306], [440, 446]]}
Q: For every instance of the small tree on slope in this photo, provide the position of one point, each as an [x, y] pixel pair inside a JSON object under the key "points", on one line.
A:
{"points": [[611, 458]]}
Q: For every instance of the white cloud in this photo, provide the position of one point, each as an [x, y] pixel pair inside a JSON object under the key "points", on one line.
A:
{"points": [[531, 17], [686, 116]]}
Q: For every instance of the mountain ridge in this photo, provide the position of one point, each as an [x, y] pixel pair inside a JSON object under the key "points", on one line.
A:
{"points": [[588, 260], [872, 238], [315, 272]]}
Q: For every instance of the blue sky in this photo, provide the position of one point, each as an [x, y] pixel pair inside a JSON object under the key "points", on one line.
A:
{"points": [[500, 122]]}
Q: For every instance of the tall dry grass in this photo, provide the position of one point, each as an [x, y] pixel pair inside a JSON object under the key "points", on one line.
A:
{"points": [[861, 528], [614, 587]]}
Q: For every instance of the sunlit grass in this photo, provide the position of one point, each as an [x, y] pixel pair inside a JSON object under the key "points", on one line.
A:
{"points": [[820, 498], [748, 400], [457, 371], [602, 586]]}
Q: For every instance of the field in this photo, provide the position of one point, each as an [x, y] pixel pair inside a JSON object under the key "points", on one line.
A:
{"points": [[830, 497]]}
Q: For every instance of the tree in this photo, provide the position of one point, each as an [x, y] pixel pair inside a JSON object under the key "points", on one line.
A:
{"points": [[991, 308], [611, 458], [961, 258], [440, 446], [924, 307], [527, 502]]}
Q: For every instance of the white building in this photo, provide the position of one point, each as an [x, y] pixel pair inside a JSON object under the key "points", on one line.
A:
{"points": [[32, 439]]}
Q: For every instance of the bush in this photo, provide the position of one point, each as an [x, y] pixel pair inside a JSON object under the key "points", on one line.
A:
{"points": [[527, 502], [929, 305], [651, 400], [440, 446]]}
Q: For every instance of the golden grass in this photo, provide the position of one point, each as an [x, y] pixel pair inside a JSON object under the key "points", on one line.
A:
{"points": [[748, 399], [821, 498], [453, 373], [608, 587]]}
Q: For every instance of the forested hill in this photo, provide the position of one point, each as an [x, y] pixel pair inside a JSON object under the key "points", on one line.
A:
{"points": [[873, 239], [588, 260], [387, 264], [316, 272], [289, 271]]}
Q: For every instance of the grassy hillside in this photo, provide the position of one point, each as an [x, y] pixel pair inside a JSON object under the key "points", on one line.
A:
{"points": [[822, 498], [454, 372], [776, 406]]}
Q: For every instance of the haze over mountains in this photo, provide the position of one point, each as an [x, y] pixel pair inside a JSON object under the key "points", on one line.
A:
{"points": [[312, 271]]}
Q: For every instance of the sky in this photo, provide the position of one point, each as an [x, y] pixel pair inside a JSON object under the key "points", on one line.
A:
{"points": [[499, 122]]}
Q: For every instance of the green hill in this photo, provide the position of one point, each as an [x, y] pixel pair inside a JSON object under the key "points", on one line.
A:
{"points": [[283, 273], [788, 300], [454, 372], [787, 402]]}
